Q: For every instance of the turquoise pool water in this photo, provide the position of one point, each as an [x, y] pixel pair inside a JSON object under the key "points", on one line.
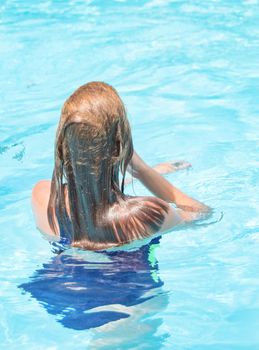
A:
{"points": [[188, 72]]}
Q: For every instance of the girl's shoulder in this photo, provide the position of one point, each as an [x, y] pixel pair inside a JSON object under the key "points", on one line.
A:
{"points": [[40, 193], [140, 217], [39, 200], [165, 214]]}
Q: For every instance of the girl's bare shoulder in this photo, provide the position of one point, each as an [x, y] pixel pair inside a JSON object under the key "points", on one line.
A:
{"points": [[41, 191], [39, 201], [171, 216]]}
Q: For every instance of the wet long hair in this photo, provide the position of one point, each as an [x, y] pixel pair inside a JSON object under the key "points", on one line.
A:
{"points": [[93, 144]]}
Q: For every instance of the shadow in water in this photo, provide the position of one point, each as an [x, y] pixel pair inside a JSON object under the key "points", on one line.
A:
{"points": [[91, 289]]}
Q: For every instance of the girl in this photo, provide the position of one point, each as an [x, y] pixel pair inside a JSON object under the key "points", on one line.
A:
{"points": [[85, 202]]}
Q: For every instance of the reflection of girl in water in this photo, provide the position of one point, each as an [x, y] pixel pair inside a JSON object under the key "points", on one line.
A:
{"points": [[86, 294]]}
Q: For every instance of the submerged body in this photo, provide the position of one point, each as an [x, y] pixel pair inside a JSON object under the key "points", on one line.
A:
{"points": [[85, 199]]}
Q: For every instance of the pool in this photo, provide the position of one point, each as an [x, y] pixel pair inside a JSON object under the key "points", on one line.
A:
{"points": [[188, 72]]}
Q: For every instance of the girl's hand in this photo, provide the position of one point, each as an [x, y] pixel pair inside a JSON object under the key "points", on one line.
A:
{"points": [[137, 167], [151, 178], [169, 167]]}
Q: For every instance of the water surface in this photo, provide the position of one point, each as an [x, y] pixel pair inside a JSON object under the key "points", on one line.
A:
{"points": [[188, 72]]}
